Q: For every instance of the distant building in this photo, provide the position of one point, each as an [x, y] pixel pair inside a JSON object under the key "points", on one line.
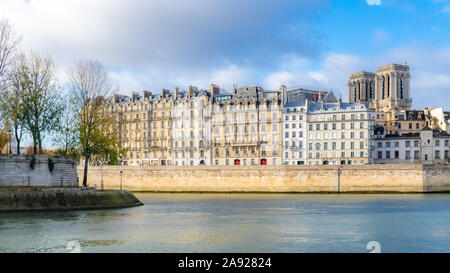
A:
{"points": [[386, 90], [301, 94], [425, 147]]}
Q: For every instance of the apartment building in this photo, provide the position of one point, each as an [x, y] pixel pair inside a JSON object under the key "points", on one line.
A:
{"points": [[338, 133], [294, 133], [191, 131], [427, 146], [246, 127]]}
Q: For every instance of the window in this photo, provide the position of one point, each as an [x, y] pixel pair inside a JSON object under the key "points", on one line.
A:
{"points": [[380, 155], [342, 126], [396, 154], [396, 143], [436, 155], [437, 143], [388, 144], [416, 154], [388, 154], [408, 143], [334, 126], [416, 143], [408, 155], [317, 127]]}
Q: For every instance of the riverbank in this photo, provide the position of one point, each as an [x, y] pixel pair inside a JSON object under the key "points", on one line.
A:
{"points": [[35, 198], [395, 178]]}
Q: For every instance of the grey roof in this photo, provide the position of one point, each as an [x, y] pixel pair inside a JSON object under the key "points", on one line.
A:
{"points": [[344, 106], [295, 103]]}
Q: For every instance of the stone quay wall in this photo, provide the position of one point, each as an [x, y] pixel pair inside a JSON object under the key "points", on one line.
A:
{"points": [[19, 171], [275, 179]]}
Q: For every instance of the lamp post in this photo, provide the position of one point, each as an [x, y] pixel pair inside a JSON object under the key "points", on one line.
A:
{"points": [[121, 174], [101, 176], [10, 138]]}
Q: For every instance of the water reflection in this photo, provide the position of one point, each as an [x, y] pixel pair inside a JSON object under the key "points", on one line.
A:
{"points": [[240, 223]]}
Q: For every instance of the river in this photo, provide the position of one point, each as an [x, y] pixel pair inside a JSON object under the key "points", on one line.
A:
{"points": [[240, 223]]}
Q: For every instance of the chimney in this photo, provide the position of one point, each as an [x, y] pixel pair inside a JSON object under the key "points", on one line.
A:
{"points": [[134, 96], [190, 89], [165, 93], [175, 92], [146, 94], [214, 89], [283, 90]]}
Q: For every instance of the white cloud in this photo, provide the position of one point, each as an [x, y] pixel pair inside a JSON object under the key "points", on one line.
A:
{"points": [[374, 2], [164, 39]]}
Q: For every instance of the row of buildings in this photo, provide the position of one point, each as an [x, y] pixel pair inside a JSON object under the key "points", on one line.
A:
{"points": [[252, 126]]}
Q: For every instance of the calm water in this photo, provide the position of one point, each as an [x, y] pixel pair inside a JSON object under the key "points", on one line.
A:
{"points": [[240, 223]]}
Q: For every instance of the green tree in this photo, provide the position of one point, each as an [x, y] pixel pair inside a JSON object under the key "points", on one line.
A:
{"points": [[90, 86], [41, 100]]}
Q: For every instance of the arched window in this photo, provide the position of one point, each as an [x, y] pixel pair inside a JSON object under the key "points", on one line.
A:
{"points": [[383, 85]]}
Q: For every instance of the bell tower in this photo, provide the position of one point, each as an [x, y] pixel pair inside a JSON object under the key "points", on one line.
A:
{"points": [[392, 84]]}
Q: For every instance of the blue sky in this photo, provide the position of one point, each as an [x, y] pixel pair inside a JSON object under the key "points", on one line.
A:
{"points": [[166, 43]]}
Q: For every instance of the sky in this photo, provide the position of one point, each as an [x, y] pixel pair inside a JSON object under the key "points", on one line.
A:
{"points": [[150, 45]]}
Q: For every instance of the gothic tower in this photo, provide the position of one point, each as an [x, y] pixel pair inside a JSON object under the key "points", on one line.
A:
{"points": [[388, 89]]}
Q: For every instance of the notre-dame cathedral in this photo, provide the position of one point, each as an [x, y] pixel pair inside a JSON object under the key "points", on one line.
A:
{"points": [[386, 90]]}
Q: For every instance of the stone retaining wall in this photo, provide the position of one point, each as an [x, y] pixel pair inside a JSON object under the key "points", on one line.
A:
{"points": [[362, 178]]}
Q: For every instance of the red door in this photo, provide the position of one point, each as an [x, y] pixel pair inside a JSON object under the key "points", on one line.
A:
{"points": [[263, 161], [237, 162]]}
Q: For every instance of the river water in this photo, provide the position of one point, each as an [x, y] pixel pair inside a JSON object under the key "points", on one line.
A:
{"points": [[240, 223]]}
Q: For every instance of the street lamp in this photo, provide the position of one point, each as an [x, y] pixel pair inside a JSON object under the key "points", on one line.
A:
{"points": [[121, 174], [10, 138], [101, 176]]}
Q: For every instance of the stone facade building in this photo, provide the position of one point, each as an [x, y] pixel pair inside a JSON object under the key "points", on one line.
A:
{"points": [[294, 133], [246, 127], [191, 131], [339, 133], [428, 146]]}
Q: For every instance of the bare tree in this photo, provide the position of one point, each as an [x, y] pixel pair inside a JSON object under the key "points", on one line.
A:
{"points": [[8, 45], [90, 87]]}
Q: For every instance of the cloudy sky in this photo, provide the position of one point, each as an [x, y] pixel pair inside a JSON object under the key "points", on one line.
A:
{"points": [[311, 43]]}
